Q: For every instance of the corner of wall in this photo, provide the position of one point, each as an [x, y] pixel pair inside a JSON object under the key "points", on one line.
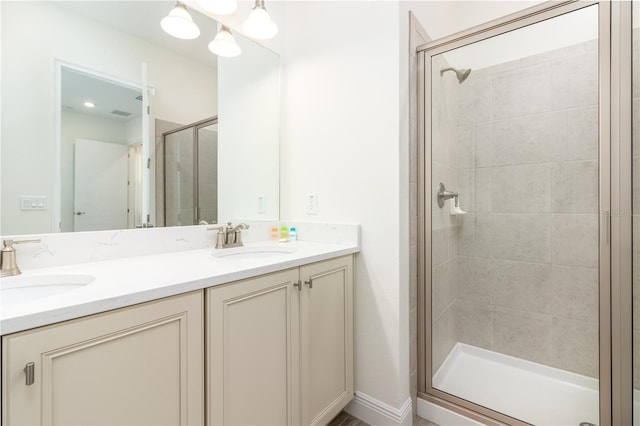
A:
{"points": [[374, 412]]}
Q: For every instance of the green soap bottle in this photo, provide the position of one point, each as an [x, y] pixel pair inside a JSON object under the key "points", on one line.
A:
{"points": [[284, 232]]}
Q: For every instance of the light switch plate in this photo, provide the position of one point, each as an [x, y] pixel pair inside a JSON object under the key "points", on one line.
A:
{"points": [[312, 203], [33, 202]]}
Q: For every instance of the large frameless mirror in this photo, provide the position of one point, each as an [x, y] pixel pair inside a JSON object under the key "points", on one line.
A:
{"points": [[80, 148]]}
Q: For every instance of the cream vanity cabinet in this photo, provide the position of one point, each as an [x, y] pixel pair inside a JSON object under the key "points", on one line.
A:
{"points": [[141, 365], [280, 346]]}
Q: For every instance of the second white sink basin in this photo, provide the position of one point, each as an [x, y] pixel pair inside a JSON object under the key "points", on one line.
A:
{"points": [[21, 288], [247, 253]]}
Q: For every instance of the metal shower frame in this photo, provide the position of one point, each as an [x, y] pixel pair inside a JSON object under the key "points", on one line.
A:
{"points": [[615, 206], [195, 126]]}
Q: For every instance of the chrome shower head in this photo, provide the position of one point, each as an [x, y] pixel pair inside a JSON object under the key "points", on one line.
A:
{"points": [[461, 74]]}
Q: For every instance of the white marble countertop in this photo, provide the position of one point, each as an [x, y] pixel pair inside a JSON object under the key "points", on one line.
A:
{"points": [[124, 282]]}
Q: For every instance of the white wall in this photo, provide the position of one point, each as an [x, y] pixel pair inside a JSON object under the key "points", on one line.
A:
{"points": [[345, 137], [133, 129], [34, 35], [341, 140]]}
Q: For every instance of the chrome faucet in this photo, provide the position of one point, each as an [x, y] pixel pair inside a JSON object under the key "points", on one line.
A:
{"points": [[229, 236], [8, 264]]}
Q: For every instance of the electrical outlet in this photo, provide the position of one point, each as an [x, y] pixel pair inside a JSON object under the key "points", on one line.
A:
{"points": [[312, 203]]}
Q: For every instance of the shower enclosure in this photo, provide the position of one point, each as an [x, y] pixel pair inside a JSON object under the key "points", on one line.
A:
{"points": [[191, 174], [525, 260]]}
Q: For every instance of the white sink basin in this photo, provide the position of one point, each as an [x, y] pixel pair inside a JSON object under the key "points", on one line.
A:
{"points": [[22, 288], [247, 253]]}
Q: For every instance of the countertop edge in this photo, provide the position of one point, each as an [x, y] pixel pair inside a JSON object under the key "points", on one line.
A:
{"points": [[52, 316]]}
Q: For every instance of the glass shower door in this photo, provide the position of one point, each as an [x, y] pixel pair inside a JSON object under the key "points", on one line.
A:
{"points": [[208, 173], [178, 178], [514, 221], [191, 173]]}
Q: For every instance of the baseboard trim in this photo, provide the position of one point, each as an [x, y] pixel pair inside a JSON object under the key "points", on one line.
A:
{"points": [[375, 412], [440, 415]]}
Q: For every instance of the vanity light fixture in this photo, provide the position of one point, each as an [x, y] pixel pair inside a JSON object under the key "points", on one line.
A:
{"points": [[89, 104], [219, 7], [179, 24], [224, 44], [259, 24]]}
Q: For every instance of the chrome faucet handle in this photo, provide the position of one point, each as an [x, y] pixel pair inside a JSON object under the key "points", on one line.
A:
{"points": [[237, 231], [8, 263], [10, 242], [220, 237], [444, 195]]}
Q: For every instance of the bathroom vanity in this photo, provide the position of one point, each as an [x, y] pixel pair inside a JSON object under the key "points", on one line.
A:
{"points": [[256, 335]]}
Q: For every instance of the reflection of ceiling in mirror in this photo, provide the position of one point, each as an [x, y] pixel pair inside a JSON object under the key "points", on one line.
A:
{"points": [[112, 101], [552, 34], [142, 19]]}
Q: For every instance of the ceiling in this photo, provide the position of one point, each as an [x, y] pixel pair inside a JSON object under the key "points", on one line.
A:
{"points": [[142, 19], [78, 88]]}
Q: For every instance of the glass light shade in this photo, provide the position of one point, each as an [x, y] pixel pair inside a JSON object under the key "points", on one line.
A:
{"points": [[179, 24], [219, 7], [224, 44], [259, 24]]}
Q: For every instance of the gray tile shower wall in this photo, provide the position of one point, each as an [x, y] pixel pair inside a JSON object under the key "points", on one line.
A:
{"points": [[446, 239], [524, 159]]}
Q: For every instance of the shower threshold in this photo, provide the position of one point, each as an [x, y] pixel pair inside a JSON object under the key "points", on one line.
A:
{"points": [[526, 390]]}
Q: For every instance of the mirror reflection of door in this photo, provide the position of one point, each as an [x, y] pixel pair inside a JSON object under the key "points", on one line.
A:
{"points": [[100, 185], [191, 173], [101, 162]]}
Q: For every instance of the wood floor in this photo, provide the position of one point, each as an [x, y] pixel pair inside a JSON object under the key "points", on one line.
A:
{"points": [[423, 422], [346, 419]]}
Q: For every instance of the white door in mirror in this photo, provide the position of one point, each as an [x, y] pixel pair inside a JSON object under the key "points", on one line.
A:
{"points": [[100, 186]]}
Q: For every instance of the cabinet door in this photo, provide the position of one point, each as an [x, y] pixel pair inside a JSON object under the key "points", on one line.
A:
{"points": [[141, 365], [327, 339], [252, 329]]}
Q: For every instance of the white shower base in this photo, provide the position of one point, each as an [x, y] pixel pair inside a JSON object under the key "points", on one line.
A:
{"points": [[522, 389]]}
